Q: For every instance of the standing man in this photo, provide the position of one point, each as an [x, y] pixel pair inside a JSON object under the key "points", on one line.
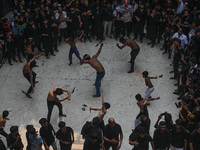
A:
{"points": [[3, 119], [127, 15], [94, 62], [53, 100], [65, 135], [135, 50], [73, 48], [148, 83], [35, 140], [30, 75], [141, 140], [47, 133], [112, 131]]}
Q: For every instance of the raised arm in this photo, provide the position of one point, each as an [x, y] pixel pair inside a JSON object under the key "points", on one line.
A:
{"points": [[99, 51], [121, 47], [79, 37], [69, 95], [84, 60], [36, 57], [156, 77], [103, 106]]}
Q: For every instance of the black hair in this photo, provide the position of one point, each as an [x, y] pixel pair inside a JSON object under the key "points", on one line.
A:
{"points": [[86, 56], [186, 99], [42, 121], [32, 131], [32, 64], [179, 122], [95, 121], [13, 129], [107, 105], [28, 127], [71, 39], [143, 119], [192, 86], [145, 73], [122, 39], [59, 91], [138, 97], [61, 124], [5, 113]]}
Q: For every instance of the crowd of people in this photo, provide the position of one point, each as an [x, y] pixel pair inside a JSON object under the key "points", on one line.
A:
{"points": [[42, 25]]}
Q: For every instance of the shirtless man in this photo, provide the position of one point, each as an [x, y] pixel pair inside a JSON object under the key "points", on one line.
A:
{"points": [[30, 75], [142, 104], [53, 100], [73, 48], [94, 63], [3, 119], [102, 112], [29, 52], [148, 83], [135, 50]]}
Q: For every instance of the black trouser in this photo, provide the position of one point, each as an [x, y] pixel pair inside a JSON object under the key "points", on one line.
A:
{"points": [[127, 27], [134, 54], [2, 132], [20, 47], [160, 32], [9, 52], [26, 75], [29, 57], [175, 67], [139, 29], [65, 147], [108, 145], [63, 32], [55, 41], [50, 105]]}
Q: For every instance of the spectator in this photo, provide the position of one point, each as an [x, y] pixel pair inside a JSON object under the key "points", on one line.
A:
{"points": [[65, 135], [47, 133], [35, 140], [111, 134]]}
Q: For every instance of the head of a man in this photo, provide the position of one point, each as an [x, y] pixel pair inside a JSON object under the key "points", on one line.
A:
{"points": [[145, 74], [43, 122], [58, 91], [5, 113], [62, 126], [122, 40], [86, 57], [111, 122], [138, 97], [95, 121], [141, 132]]}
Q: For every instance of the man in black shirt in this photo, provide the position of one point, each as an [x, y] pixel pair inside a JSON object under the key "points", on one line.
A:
{"points": [[14, 140], [65, 135], [161, 137], [93, 142], [195, 139], [92, 127], [46, 132], [178, 137], [111, 134], [141, 140]]}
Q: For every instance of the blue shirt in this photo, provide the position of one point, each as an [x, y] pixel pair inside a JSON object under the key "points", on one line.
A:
{"points": [[37, 141]]}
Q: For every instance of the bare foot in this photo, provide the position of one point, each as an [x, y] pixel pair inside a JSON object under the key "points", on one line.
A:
{"points": [[36, 82]]}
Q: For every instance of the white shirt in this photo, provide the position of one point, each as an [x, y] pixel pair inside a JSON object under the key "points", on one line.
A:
{"points": [[183, 39], [62, 24], [180, 7]]}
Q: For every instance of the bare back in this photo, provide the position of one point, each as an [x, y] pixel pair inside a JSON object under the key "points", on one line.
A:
{"points": [[101, 115], [132, 44], [148, 82], [94, 62], [27, 68], [51, 96]]}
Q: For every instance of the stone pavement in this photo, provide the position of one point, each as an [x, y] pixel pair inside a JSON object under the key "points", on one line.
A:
{"points": [[118, 87]]}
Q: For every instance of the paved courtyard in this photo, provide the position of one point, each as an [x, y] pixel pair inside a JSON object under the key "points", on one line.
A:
{"points": [[118, 87]]}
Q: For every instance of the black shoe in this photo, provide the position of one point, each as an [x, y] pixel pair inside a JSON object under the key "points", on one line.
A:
{"points": [[179, 98], [176, 93], [130, 71], [70, 63]]}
